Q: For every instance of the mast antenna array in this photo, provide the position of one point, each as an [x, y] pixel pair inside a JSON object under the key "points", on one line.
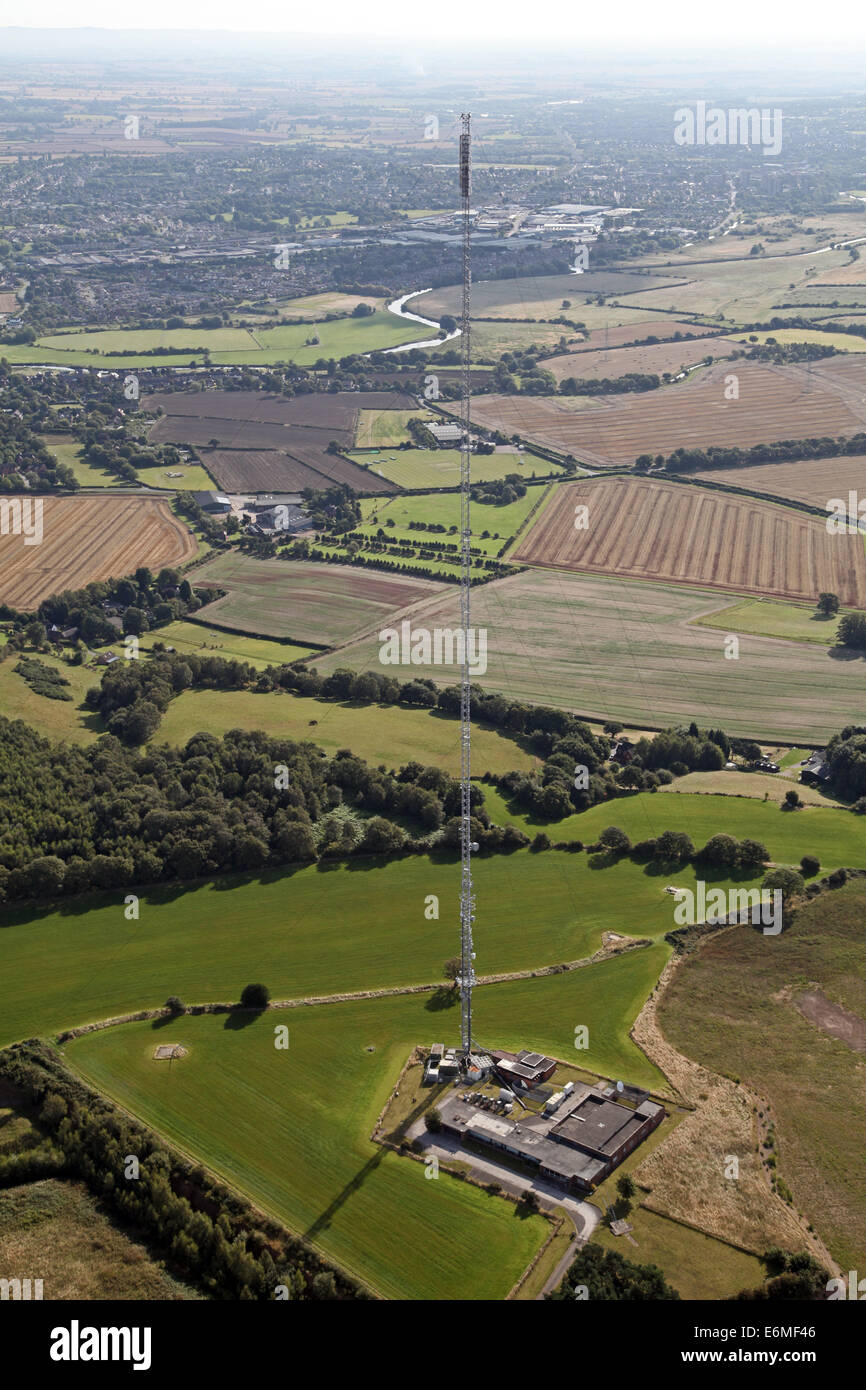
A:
{"points": [[467, 899]]}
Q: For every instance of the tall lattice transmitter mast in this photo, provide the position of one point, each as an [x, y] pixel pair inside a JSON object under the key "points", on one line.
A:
{"points": [[467, 899]]}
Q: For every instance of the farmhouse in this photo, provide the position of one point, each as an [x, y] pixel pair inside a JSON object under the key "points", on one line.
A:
{"points": [[815, 769], [576, 1143]]}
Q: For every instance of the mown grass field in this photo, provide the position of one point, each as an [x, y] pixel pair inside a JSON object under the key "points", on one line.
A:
{"points": [[61, 719], [697, 1266], [378, 427], [215, 641], [628, 649], [226, 346], [68, 450], [833, 833], [768, 618], [290, 1129], [321, 930], [443, 509], [432, 468], [183, 477], [732, 1007], [393, 735]]}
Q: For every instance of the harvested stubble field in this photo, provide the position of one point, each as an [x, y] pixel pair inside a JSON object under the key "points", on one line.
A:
{"points": [[536, 297], [654, 357], [640, 326], [810, 480], [852, 274], [269, 442], [743, 290], [627, 649], [90, 538], [316, 603], [774, 403], [678, 533]]}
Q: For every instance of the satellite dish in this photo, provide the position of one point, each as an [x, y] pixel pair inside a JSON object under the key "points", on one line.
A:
{"points": [[619, 1086]]}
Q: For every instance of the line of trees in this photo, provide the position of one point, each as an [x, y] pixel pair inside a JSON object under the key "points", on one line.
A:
{"points": [[106, 817], [779, 451]]}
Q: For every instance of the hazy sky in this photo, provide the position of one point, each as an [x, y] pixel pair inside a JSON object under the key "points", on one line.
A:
{"points": [[732, 24]]}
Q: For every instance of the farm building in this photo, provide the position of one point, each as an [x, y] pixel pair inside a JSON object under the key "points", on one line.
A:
{"points": [[446, 436], [281, 518], [212, 501], [576, 1143]]}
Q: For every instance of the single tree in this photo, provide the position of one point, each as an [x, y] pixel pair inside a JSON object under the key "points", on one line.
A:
{"points": [[828, 604], [255, 997]]}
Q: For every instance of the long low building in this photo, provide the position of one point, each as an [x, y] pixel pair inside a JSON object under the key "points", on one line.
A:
{"points": [[577, 1147]]}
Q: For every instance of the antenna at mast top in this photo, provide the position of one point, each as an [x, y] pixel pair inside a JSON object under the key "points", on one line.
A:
{"points": [[464, 158]]}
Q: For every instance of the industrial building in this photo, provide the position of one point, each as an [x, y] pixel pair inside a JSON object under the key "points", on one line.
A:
{"points": [[523, 1069], [584, 1133]]}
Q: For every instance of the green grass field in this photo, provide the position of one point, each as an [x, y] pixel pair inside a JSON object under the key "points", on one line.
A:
{"points": [[443, 509], [68, 450], [842, 342], [834, 834], [198, 637], [227, 346], [325, 930], [60, 719], [382, 427], [393, 735], [732, 1007], [697, 1266], [744, 291], [432, 468], [183, 477], [769, 618], [290, 1129]]}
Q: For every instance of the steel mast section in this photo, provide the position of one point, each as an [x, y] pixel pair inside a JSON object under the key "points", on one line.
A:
{"points": [[467, 899]]}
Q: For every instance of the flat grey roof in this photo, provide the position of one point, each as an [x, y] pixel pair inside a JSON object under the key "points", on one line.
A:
{"points": [[598, 1124]]}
